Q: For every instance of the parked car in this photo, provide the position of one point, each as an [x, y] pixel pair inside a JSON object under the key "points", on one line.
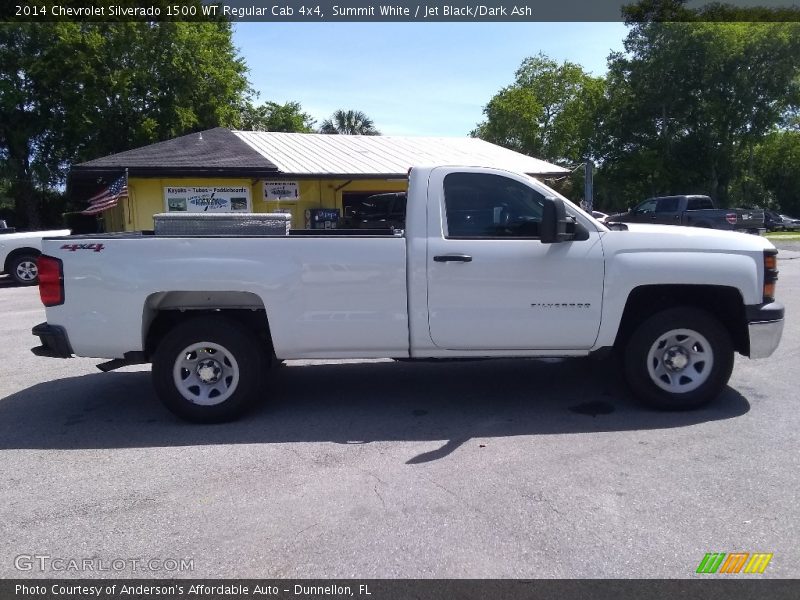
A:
{"points": [[773, 221], [490, 264], [600, 216], [694, 211], [19, 252], [790, 223]]}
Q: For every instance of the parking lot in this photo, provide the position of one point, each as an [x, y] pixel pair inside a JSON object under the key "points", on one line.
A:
{"points": [[388, 469]]}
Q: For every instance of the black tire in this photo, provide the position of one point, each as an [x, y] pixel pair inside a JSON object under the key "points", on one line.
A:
{"points": [[24, 270], [233, 360], [657, 374]]}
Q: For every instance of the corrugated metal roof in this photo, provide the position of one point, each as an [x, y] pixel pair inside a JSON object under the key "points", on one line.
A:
{"points": [[384, 155]]}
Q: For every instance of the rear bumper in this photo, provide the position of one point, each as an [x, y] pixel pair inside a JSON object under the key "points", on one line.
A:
{"points": [[764, 327], [752, 230], [55, 343]]}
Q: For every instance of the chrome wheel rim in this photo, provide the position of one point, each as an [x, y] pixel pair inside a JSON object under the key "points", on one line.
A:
{"points": [[205, 373], [27, 270], [680, 361]]}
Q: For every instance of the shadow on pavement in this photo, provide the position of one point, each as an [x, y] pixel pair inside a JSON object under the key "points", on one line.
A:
{"points": [[351, 403]]}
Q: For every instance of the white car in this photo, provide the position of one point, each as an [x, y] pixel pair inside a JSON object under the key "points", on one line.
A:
{"points": [[19, 252], [490, 263]]}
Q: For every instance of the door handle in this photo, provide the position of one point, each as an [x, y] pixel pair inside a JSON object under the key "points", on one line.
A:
{"points": [[453, 258]]}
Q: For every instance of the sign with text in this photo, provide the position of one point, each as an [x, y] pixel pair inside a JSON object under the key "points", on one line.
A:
{"points": [[207, 198], [38, 11], [281, 190]]}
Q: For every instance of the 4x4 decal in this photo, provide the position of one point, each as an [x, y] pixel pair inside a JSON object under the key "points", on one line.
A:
{"points": [[74, 247]]}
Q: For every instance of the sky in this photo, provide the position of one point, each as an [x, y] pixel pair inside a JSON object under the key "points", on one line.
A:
{"points": [[411, 78]]}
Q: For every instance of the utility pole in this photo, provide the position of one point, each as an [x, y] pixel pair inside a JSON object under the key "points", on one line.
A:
{"points": [[588, 185]]}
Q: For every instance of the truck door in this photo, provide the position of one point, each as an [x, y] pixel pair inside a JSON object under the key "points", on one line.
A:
{"points": [[668, 211], [642, 213], [492, 284]]}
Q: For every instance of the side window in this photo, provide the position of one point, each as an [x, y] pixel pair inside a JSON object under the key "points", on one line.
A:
{"points": [[699, 203], [648, 206], [480, 205], [668, 204]]}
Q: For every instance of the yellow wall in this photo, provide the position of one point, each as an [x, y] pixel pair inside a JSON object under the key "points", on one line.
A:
{"points": [[146, 197], [114, 218]]}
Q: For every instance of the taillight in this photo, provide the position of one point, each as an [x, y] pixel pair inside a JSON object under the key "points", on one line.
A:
{"points": [[731, 218], [770, 274], [51, 280]]}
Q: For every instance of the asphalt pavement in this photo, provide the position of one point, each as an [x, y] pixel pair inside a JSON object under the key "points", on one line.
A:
{"points": [[511, 469]]}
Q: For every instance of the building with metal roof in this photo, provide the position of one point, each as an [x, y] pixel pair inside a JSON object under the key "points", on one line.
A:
{"points": [[321, 155], [305, 175]]}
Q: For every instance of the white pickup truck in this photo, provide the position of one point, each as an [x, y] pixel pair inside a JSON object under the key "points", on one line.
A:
{"points": [[490, 264], [19, 251]]}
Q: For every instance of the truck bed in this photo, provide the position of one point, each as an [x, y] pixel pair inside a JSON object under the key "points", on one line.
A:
{"points": [[325, 294]]}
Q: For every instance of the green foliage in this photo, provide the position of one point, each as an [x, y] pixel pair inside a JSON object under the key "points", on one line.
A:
{"points": [[548, 112], [699, 101], [271, 116], [777, 161], [349, 122], [75, 91], [687, 103], [674, 11]]}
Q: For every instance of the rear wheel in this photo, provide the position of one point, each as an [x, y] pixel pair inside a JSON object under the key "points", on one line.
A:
{"points": [[679, 359], [23, 269], [209, 369]]}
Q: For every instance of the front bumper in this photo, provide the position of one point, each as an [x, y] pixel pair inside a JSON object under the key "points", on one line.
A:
{"points": [[764, 327], [55, 343]]}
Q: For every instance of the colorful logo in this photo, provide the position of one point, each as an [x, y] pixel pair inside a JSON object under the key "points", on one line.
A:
{"points": [[734, 562]]}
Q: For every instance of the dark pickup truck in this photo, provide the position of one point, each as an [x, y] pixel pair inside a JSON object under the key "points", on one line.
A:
{"points": [[693, 211], [380, 211]]}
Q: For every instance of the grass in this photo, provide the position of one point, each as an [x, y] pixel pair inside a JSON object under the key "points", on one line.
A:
{"points": [[784, 235]]}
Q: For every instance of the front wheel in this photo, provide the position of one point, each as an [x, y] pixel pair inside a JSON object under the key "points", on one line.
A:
{"points": [[209, 369], [679, 359], [24, 270]]}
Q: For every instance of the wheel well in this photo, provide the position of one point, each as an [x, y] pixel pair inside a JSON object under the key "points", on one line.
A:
{"points": [[166, 320], [19, 252], [724, 303], [164, 310]]}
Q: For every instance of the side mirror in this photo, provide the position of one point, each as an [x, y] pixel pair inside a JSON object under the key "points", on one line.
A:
{"points": [[556, 225]]}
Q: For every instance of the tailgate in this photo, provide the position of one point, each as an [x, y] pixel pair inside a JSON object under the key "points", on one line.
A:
{"points": [[749, 218]]}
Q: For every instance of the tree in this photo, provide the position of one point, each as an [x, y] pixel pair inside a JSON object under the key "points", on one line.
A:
{"points": [[688, 102], [548, 112], [271, 116], [349, 122], [775, 161], [75, 91]]}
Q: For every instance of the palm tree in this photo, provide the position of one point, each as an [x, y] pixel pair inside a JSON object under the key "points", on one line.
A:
{"points": [[349, 122]]}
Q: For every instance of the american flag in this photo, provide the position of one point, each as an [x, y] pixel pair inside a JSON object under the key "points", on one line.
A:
{"points": [[108, 197]]}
